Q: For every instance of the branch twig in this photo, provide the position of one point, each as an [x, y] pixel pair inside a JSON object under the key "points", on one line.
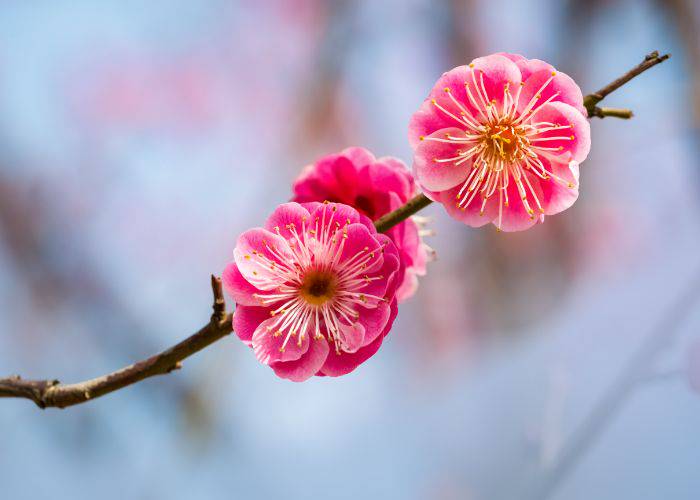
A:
{"points": [[402, 213], [51, 393], [591, 100], [625, 114]]}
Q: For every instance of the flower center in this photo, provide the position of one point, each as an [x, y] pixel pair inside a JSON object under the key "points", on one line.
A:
{"points": [[318, 287], [505, 141]]}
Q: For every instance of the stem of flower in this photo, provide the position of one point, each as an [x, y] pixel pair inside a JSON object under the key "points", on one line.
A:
{"points": [[419, 202]]}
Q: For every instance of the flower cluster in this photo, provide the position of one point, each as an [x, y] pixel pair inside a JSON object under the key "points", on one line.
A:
{"points": [[316, 289], [374, 187]]}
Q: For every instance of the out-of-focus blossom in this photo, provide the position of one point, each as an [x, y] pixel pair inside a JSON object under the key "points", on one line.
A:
{"points": [[315, 289], [374, 187], [500, 140]]}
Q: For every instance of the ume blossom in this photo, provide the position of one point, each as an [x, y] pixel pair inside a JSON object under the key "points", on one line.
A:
{"points": [[500, 140], [315, 289]]}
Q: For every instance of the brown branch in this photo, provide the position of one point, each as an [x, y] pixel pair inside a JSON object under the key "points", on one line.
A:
{"points": [[591, 100], [51, 393]]}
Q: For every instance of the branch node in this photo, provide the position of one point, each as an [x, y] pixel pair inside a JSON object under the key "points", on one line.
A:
{"points": [[218, 317]]}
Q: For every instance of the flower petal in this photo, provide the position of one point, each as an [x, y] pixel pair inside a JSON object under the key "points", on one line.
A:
{"points": [[238, 287], [247, 319], [374, 321], [285, 215], [270, 348], [344, 363], [516, 216], [559, 113], [358, 156], [498, 72], [429, 117], [561, 84], [351, 337], [431, 172], [560, 192], [257, 249], [307, 365], [470, 214]]}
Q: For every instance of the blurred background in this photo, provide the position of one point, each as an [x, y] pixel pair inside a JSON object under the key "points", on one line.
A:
{"points": [[138, 139]]}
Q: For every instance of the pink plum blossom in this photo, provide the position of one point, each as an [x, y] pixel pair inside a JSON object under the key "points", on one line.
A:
{"points": [[374, 187], [315, 289], [500, 140]]}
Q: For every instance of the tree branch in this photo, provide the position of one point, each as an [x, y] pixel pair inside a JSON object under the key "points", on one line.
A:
{"points": [[415, 204], [625, 114], [591, 100], [51, 393]]}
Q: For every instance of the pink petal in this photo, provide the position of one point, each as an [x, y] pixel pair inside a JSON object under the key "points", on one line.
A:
{"points": [[393, 267], [269, 245], [351, 337], [268, 347], [238, 287], [344, 363], [340, 179], [408, 286], [305, 367], [516, 58], [400, 168], [529, 66], [284, 215], [374, 321], [439, 176], [562, 84], [515, 215], [429, 118], [334, 215], [361, 240], [562, 114], [431, 195], [386, 179], [247, 319], [358, 156], [470, 214], [498, 71], [413, 246], [557, 196]]}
